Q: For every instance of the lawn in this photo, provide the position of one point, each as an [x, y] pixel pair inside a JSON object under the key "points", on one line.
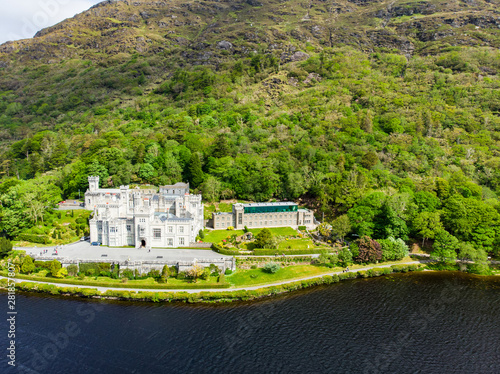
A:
{"points": [[304, 243], [216, 236], [61, 222], [281, 231], [220, 207], [258, 276], [110, 282]]}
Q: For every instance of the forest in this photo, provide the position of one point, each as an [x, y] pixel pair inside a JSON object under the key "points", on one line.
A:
{"points": [[404, 147]]}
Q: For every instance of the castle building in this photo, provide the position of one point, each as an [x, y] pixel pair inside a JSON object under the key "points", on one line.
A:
{"points": [[144, 217], [260, 215]]}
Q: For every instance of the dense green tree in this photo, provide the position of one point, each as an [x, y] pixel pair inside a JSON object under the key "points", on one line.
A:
{"points": [[445, 247], [195, 173], [427, 224], [264, 239], [55, 267], [28, 266], [345, 257], [341, 226], [211, 189], [147, 172], [393, 249], [5, 247], [479, 257]]}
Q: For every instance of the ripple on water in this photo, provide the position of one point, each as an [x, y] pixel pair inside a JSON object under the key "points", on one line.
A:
{"points": [[415, 323]]}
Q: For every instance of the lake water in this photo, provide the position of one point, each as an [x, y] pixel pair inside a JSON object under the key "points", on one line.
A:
{"points": [[408, 323]]}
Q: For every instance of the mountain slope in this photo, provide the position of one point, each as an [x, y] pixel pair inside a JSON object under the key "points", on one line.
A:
{"points": [[324, 101], [197, 28]]}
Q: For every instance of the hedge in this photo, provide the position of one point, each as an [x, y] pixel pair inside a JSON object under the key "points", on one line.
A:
{"points": [[33, 238], [97, 268], [223, 296], [266, 252], [117, 285], [223, 251]]}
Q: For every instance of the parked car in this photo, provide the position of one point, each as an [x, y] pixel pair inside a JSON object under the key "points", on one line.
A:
{"points": [[97, 244]]}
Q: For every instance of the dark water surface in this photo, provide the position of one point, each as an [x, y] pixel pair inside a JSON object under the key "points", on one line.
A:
{"points": [[410, 323]]}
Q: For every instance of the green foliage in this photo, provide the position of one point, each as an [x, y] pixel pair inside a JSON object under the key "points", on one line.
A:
{"points": [[72, 270], [55, 268], [393, 249], [271, 267], [28, 266], [264, 239], [393, 147], [5, 247], [345, 257], [341, 226], [445, 247], [95, 268], [127, 273]]}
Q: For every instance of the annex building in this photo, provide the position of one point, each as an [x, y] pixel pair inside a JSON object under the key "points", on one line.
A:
{"points": [[260, 215], [144, 217]]}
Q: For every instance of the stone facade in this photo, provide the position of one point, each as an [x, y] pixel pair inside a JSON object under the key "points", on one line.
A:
{"points": [[144, 267], [260, 215], [144, 217]]}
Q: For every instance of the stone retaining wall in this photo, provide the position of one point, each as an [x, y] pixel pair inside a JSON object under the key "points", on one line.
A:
{"points": [[144, 267]]}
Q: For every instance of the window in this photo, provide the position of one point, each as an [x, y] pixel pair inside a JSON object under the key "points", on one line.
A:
{"points": [[217, 225], [281, 222], [129, 228], [240, 218], [157, 233], [170, 229], [112, 229], [170, 242], [181, 228], [142, 220], [181, 241]]}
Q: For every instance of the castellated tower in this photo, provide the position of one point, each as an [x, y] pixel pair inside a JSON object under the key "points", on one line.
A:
{"points": [[93, 183]]}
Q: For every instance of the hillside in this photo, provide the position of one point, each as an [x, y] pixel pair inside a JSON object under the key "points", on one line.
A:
{"points": [[385, 111]]}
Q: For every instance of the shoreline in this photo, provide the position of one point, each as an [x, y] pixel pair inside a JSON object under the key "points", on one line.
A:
{"points": [[206, 295]]}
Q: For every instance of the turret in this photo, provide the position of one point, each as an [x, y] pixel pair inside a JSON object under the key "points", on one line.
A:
{"points": [[93, 183]]}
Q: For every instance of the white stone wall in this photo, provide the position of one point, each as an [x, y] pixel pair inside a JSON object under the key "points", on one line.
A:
{"points": [[125, 217]]}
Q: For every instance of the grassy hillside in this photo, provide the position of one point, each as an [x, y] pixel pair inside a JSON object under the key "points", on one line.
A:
{"points": [[365, 108]]}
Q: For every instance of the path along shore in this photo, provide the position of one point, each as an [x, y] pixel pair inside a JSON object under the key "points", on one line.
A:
{"points": [[253, 287]]}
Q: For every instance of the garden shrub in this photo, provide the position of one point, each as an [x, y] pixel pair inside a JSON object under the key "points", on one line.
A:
{"points": [[128, 273], [92, 268], [72, 270], [33, 238], [271, 267]]}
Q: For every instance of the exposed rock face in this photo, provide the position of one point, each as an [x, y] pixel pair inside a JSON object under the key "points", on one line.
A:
{"points": [[299, 56], [224, 45], [201, 30]]}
